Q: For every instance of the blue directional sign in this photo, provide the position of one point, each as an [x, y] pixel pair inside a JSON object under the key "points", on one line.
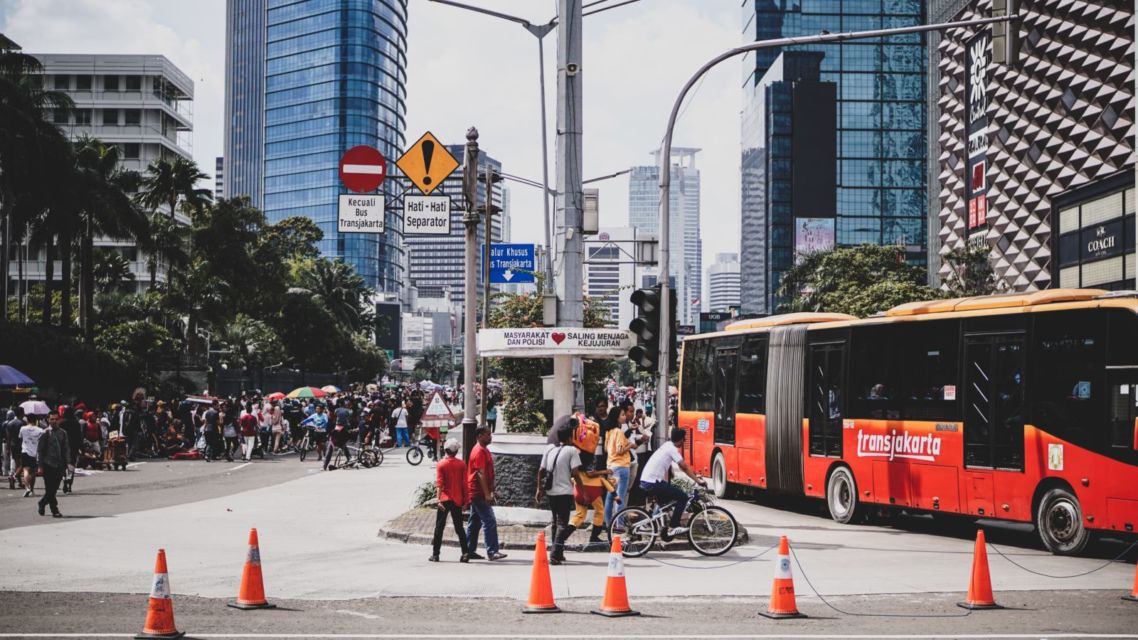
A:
{"points": [[512, 263]]}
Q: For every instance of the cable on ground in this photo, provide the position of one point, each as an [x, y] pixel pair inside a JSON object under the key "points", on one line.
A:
{"points": [[1074, 575], [718, 566]]}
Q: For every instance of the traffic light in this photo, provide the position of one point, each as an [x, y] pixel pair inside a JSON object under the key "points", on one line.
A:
{"points": [[646, 325]]}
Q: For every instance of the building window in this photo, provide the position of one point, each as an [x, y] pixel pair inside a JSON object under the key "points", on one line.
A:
{"points": [[110, 83], [132, 117], [132, 150], [59, 116], [83, 116], [82, 83], [62, 83], [134, 83], [110, 117]]}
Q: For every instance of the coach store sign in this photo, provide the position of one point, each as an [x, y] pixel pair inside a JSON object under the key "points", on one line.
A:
{"points": [[544, 342], [1102, 241]]}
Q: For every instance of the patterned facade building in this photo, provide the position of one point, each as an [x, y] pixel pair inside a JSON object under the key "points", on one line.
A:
{"points": [[1034, 151]]}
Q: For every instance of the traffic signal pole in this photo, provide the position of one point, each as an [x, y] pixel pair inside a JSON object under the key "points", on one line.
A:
{"points": [[470, 304], [663, 423]]}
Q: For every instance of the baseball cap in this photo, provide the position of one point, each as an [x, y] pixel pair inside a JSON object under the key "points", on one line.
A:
{"points": [[451, 445]]}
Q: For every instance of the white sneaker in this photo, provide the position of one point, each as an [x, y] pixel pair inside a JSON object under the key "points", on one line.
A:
{"points": [[677, 531]]}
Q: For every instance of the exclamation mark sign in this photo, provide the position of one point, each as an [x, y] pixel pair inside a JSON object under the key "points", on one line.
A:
{"points": [[428, 153]]}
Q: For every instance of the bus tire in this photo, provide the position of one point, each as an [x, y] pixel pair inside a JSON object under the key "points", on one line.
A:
{"points": [[719, 476], [1059, 521], [841, 495]]}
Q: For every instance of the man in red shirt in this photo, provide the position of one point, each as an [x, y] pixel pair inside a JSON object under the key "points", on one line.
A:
{"points": [[480, 486], [450, 478]]}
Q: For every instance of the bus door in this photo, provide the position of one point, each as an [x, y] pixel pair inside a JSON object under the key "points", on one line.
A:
{"points": [[994, 407], [1124, 411], [726, 366], [826, 398]]}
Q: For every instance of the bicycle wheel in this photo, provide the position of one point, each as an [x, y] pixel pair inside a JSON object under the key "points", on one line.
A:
{"points": [[338, 459], [636, 529], [302, 450], [414, 455], [712, 531], [368, 458]]}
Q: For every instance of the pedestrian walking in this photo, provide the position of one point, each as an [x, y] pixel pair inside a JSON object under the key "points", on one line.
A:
{"points": [[400, 416], [30, 435], [229, 431], [248, 425], [211, 429], [480, 487], [559, 464], [619, 450], [12, 426], [54, 456], [450, 478]]}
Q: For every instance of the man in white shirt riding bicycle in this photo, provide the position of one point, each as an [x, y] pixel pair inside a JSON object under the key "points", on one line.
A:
{"points": [[655, 482]]}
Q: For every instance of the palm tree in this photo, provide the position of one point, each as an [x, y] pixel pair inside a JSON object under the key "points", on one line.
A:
{"points": [[339, 289], [107, 210], [167, 243], [165, 181]]}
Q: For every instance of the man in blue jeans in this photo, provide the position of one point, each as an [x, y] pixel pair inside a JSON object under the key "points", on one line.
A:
{"points": [[654, 481], [480, 488]]}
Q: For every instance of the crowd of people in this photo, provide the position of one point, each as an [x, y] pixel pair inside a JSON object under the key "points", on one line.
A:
{"points": [[592, 462]]}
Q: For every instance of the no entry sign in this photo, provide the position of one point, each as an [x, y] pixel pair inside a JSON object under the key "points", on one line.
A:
{"points": [[362, 169]]}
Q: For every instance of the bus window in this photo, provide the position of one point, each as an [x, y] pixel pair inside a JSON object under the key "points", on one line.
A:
{"points": [[1068, 385], [753, 376], [875, 374], [929, 354], [825, 401], [1123, 349], [726, 361], [697, 380]]}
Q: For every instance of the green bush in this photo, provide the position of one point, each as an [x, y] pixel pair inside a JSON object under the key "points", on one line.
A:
{"points": [[65, 367]]}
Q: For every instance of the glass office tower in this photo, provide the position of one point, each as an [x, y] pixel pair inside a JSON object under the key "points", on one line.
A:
{"points": [[334, 76], [880, 171]]}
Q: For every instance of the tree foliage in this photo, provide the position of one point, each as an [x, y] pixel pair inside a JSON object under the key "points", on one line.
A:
{"points": [[860, 281], [971, 271], [435, 364]]}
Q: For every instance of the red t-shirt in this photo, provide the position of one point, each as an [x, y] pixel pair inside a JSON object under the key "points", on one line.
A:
{"points": [[480, 459], [450, 478], [248, 424]]}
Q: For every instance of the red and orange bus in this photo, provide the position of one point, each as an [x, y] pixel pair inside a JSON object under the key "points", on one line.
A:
{"points": [[1017, 407]]}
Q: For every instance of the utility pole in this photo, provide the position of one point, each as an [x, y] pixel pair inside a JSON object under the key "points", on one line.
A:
{"points": [[470, 323], [568, 376], [489, 177]]}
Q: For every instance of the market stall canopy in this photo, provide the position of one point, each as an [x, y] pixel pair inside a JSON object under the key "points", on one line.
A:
{"points": [[13, 378], [307, 392]]}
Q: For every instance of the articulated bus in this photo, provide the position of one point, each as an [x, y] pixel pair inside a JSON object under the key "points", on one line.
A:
{"points": [[1016, 407]]}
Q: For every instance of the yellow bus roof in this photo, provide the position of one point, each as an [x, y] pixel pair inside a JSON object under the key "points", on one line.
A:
{"points": [[805, 317], [1034, 298]]}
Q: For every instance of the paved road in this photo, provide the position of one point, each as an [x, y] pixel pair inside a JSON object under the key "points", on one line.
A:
{"points": [[319, 548]]}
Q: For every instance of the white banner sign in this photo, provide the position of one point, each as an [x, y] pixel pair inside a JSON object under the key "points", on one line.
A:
{"points": [[554, 341], [361, 213], [426, 215]]}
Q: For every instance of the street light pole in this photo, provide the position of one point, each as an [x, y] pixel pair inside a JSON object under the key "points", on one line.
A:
{"points": [[470, 323], [663, 423]]}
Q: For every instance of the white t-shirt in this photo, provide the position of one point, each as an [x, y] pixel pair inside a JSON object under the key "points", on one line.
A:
{"points": [[30, 439], [561, 461], [656, 470], [400, 416]]}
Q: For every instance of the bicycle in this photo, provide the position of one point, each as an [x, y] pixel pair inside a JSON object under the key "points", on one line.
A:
{"points": [[306, 443], [415, 451], [712, 530], [366, 456]]}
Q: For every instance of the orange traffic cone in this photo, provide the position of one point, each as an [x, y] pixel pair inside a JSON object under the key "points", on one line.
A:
{"points": [[540, 586], [980, 587], [782, 603], [1133, 597], [615, 602], [252, 593], [160, 612]]}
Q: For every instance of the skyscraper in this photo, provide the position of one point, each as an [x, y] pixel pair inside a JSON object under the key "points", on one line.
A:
{"points": [[723, 282], [685, 243], [436, 264], [877, 124], [305, 82]]}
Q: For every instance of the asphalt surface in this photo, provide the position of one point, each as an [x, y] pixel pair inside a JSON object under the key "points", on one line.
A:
{"points": [[325, 564]]}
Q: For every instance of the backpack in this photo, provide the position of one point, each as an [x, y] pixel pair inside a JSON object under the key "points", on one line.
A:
{"points": [[587, 436]]}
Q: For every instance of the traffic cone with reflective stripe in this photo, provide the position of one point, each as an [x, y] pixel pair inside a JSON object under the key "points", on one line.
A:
{"points": [[980, 586], [615, 602], [160, 613], [252, 592], [782, 603], [1133, 597], [540, 586]]}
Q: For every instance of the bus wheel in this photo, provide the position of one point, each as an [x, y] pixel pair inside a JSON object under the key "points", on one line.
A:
{"points": [[1060, 523], [719, 476], [841, 495]]}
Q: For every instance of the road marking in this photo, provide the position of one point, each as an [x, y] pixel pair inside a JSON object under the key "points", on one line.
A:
{"points": [[369, 616], [240, 466], [134, 464], [384, 636], [629, 637]]}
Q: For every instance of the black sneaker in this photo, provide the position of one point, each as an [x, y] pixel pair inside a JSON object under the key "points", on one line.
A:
{"points": [[56, 514], [497, 556], [433, 559], [465, 558], [40, 509], [475, 556]]}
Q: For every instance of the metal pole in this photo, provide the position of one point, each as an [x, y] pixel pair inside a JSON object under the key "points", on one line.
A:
{"points": [[545, 163], [470, 324], [567, 376], [662, 423], [489, 204]]}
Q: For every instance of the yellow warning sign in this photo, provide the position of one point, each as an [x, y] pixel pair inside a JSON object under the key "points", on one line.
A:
{"points": [[427, 163]]}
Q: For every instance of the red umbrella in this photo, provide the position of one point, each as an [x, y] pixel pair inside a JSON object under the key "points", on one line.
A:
{"points": [[272, 397]]}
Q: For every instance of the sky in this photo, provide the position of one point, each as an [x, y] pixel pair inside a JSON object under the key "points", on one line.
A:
{"points": [[467, 69]]}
